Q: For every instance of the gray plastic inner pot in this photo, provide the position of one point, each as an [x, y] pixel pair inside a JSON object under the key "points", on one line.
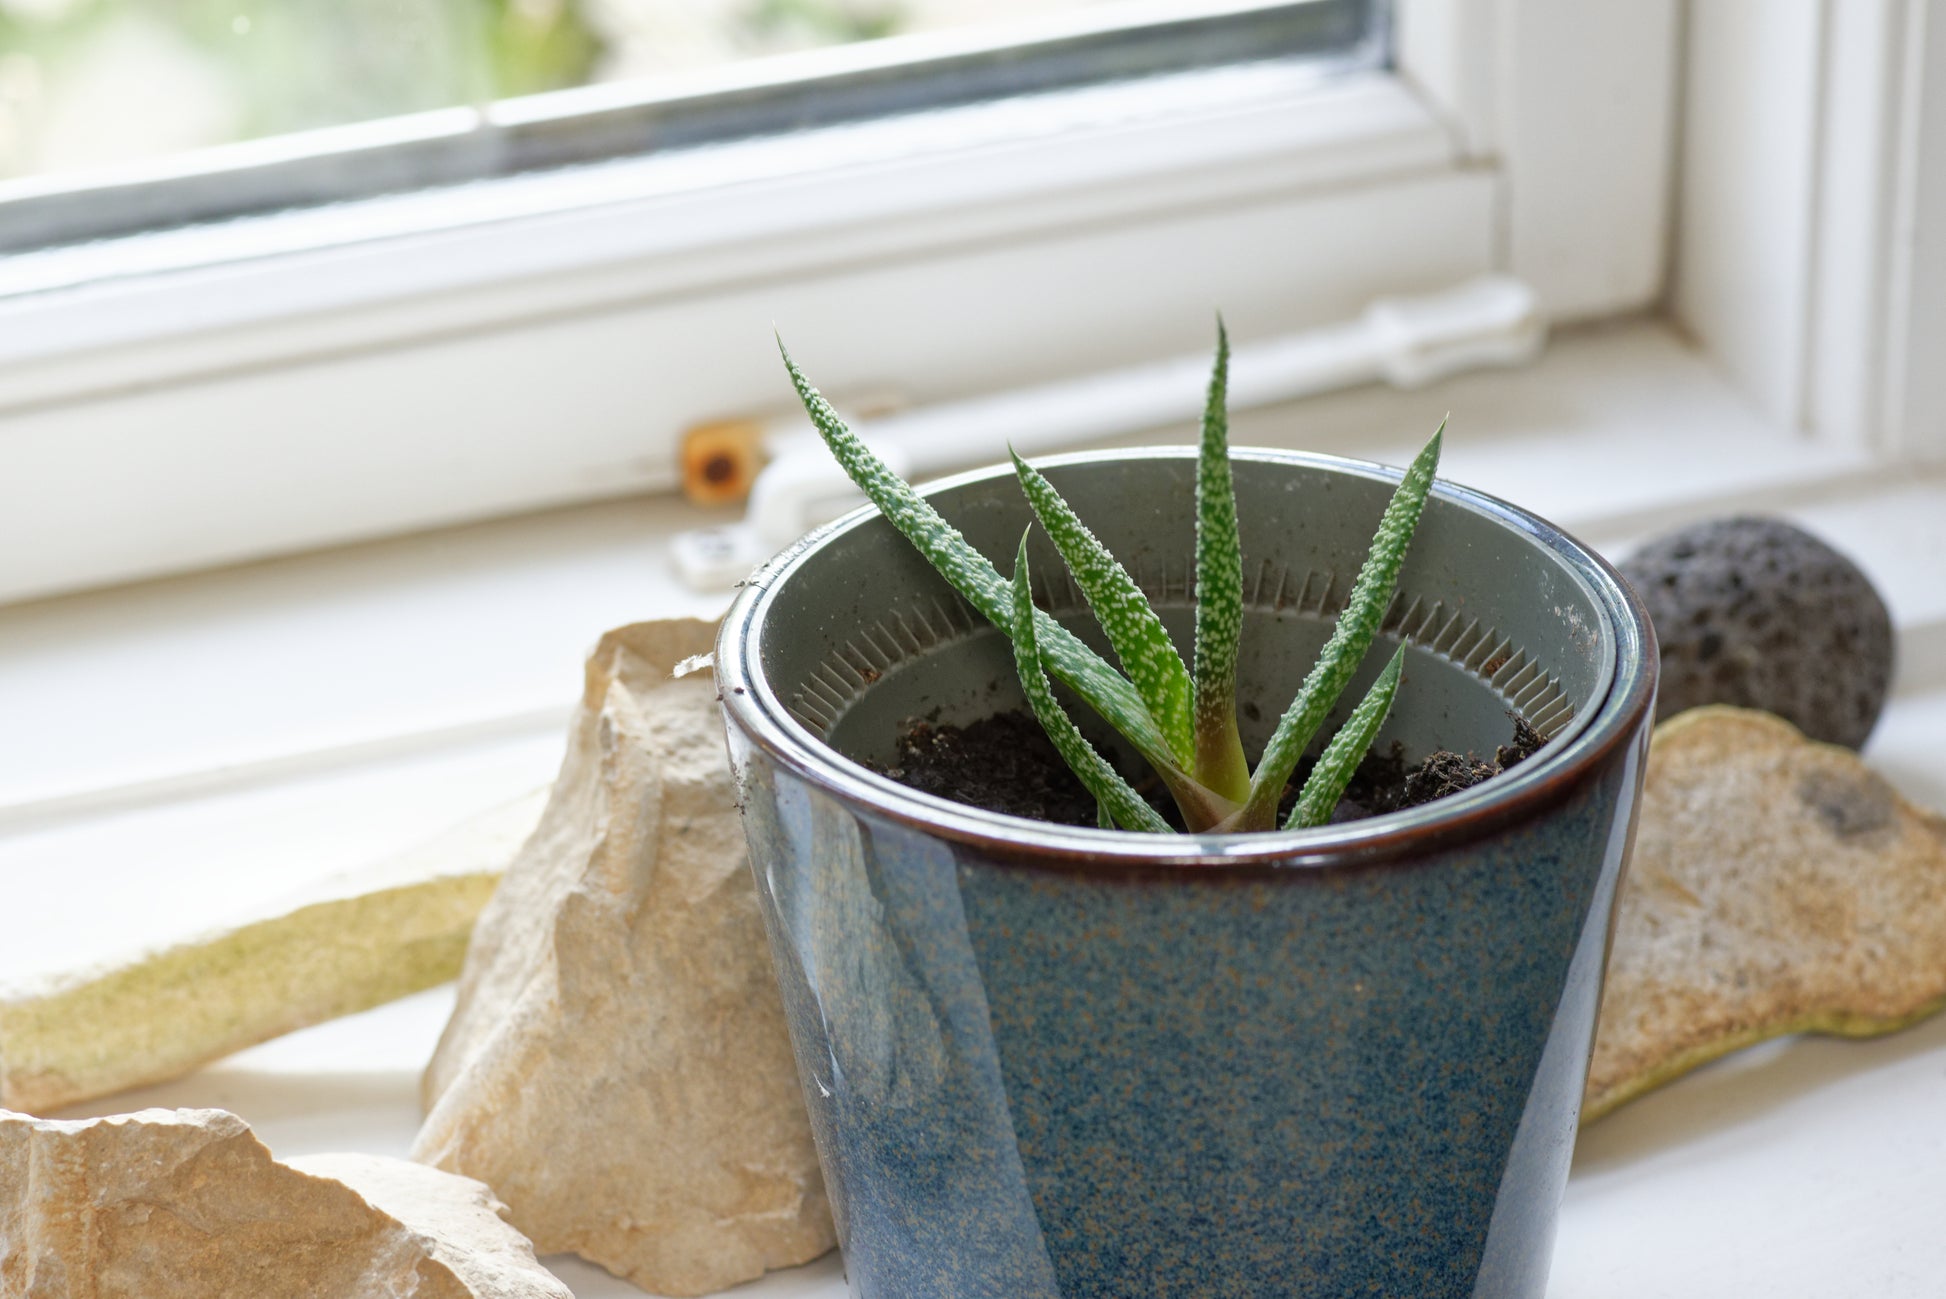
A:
{"points": [[1496, 617]]}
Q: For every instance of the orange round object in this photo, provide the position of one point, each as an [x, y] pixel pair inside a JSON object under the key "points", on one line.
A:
{"points": [[720, 460]]}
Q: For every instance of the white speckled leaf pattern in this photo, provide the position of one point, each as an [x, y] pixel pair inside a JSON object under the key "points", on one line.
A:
{"points": [[1136, 633], [1340, 759], [1370, 595], [1220, 763], [1103, 781], [1105, 690]]}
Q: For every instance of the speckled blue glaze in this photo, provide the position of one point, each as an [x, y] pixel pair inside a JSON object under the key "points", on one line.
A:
{"points": [[1348, 1064]]}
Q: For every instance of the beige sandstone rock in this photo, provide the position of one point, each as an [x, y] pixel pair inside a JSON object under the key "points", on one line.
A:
{"points": [[617, 1068], [189, 1203], [346, 945], [1778, 886]]}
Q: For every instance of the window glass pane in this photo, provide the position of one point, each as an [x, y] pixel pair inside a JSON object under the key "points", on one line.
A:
{"points": [[91, 88], [87, 82]]}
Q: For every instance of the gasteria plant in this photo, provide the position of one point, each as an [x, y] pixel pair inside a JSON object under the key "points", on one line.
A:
{"points": [[1185, 726]]}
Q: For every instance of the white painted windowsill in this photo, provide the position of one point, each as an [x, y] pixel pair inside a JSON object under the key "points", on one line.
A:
{"points": [[189, 748]]}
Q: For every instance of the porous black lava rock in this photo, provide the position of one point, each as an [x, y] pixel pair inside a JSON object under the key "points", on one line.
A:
{"points": [[1760, 614]]}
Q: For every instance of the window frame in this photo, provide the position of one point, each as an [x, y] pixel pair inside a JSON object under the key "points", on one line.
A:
{"points": [[305, 391], [608, 121], [1811, 262]]}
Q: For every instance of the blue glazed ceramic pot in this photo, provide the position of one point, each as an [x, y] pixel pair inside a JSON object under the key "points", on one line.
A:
{"points": [[1044, 1061]]}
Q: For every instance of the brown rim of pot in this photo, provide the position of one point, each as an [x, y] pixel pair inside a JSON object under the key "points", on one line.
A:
{"points": [[1585, 745]]}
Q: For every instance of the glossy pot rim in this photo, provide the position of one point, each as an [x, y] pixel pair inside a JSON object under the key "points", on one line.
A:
{"points": [[1593, 738]]}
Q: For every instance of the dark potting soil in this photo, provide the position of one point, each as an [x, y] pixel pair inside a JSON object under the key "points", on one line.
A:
{"points": [[1006, 763]]}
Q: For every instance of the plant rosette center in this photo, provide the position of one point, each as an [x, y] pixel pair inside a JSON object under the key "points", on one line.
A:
{"points": [[1181, 718]]}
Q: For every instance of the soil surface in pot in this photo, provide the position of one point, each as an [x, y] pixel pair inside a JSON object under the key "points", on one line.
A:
{"points": [[1006, 764]]}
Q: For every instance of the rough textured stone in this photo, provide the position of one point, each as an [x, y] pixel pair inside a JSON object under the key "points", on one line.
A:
{"points": [[617, 1068], [1760, 614], [345, 945], [1778, 886], [189, 1203]]}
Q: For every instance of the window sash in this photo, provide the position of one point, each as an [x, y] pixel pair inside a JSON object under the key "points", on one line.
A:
{"points": [[759, 97], [311, 378], [445, 388]]}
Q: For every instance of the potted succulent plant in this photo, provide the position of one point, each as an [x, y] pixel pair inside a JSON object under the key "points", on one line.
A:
{"points": [[1268, 1055]]}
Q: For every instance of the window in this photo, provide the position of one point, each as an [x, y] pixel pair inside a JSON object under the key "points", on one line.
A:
{"points": [[84, 85], [1813, 201], [293, 377], [222, 370]]}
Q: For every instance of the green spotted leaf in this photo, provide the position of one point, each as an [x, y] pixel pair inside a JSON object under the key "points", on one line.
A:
{"points": [[1220, 764], [1370, 595], [1136, 633], [1326, 784], [973, 576], [1128, 808]]}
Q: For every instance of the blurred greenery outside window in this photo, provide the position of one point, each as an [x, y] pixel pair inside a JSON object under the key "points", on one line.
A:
{"points": [[87, 83]]}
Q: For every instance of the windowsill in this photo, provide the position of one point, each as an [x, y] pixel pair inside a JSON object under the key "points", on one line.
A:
{"points": [[321, 661], [192, 746]]}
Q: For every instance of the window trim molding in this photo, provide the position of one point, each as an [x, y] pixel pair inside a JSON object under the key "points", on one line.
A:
{"points": [[1913, 423], [169, 307], [1574, 108], [1810, 261]]}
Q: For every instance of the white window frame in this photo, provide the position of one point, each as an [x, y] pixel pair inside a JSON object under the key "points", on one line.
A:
{"points": [[281, 383], [1812, 256]]}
